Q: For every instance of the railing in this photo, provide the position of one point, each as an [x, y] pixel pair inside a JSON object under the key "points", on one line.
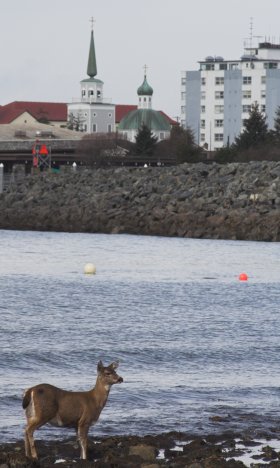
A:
{"points": [[93, 100]]}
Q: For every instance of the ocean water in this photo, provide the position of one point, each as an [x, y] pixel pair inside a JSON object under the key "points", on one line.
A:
{"points": [[192, 340]]}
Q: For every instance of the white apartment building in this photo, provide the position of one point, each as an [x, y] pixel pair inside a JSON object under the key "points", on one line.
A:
{"points": [[217, 98]]}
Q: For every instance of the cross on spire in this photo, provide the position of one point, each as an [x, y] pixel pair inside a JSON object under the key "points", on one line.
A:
{"points": [[145, 69], [92, 21]]}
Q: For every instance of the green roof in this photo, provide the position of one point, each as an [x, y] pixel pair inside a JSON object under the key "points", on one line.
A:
{"points": [[91, 80], [92, 68], [145, 89], [154, 120]]}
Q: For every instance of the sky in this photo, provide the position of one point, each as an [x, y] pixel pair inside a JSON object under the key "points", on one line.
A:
{"points": [[44, 44]]}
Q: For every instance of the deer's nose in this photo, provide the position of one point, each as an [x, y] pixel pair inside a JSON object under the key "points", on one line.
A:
{"points": [[120, 380]]}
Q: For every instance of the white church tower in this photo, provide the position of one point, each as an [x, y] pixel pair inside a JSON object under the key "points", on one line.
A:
{"points": [[91, 113]]}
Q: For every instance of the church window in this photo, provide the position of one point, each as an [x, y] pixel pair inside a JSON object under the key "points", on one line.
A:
{"points": [[145, 99], [98, 93], [94, 114], [83, 92], [109, 128], [110, 114], [91, 92], [150, 99], [94, 128]]}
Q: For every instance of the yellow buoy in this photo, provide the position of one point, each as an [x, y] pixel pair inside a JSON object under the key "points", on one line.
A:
{"points": [[90, 269]]}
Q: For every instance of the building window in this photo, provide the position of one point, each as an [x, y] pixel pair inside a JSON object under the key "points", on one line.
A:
{"points": [[219, 95], [233, 66], [202, 95], [247, 80], [161, 135], [223, 66], [109, 128], [150, 99], [263, 94], [183, 81], [219, 123], [202, 124], [209, 66], [219, 109], [244, 122], [83, 92], [94, 128], [202, 137], [90, 92], [270, 65], [203, 81], [263, 108], [246, 108], [203, 109], [110, 114], [219, 137], [94, 114], [183, 96], [98, 93], [183, 109], [263, 79], [219, 80], [246, 94], [85, 127]]}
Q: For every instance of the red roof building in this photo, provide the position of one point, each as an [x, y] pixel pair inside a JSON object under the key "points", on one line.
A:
{"points": [[32, 112], [54, 113]]}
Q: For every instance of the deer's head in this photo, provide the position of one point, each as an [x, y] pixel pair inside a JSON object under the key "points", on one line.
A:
{"points": [[108, 374]]}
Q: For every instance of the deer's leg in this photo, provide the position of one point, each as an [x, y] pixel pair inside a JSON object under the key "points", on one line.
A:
{"points": [[30, 449], [82, 436], [27, 444]]}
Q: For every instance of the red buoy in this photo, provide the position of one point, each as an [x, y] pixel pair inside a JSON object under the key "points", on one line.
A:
{"points": [[243, 277]]}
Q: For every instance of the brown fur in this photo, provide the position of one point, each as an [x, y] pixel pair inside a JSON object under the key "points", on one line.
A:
{"points": [[46, 403]]}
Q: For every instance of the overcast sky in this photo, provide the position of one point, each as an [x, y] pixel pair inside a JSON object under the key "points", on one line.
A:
{"points": [[44, 44]]}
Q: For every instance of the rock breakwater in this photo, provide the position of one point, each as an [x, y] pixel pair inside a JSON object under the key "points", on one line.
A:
{"points": [[232, 201]]}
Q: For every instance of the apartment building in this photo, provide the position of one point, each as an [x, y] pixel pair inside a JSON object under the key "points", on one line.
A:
{"points": [[217, 98]]}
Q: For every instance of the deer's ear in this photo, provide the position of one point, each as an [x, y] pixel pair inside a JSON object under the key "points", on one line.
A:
{"points": [[114, 365], [100, 366]]}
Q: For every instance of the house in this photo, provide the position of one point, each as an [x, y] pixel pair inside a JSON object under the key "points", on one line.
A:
{"points": [[24, 112]]}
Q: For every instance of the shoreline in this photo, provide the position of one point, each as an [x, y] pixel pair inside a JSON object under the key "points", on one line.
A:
{"points": [[174, 449], [237, 201]]}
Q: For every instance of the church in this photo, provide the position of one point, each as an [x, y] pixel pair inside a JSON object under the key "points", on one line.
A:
{"points": [[94, 115], [91, 112]]}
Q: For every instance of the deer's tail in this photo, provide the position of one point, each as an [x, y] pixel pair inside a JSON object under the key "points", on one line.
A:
{"points": [[26, 398]]}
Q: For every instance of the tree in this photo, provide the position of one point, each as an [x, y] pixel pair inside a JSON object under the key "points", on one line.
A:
{"points": [[255, 131], [180, 146], [104, 149], [75, 122], [145, 141], [275, 133]]}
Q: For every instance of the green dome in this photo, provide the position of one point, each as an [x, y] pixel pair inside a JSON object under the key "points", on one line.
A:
{"points": [[145, 89], [154, 120]]}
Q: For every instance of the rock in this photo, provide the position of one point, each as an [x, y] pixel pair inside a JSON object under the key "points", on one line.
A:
{"points": [[146, 452]]}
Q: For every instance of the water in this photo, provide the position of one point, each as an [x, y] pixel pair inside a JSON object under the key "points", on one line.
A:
{"points": [[192, 340]]}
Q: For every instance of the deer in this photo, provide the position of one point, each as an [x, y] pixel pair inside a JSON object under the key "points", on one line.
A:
{"points": [[45, 403]]}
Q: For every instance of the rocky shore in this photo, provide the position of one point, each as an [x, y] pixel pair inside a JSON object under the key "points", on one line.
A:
{"points": [[173, 450], [212, 201]]}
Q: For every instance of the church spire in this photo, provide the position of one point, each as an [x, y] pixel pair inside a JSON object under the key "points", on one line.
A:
{"points": [[91, 68]]}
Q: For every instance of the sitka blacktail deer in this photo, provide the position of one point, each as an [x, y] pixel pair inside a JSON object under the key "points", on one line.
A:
{"points": [[45, 403]]}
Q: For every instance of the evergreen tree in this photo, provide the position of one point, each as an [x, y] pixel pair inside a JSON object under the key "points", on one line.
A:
{"points": [[276, 130], [255, 131], [145, 141]]}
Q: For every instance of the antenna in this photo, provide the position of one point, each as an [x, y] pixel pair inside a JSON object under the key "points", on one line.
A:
{"points": [[251, 31]]}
